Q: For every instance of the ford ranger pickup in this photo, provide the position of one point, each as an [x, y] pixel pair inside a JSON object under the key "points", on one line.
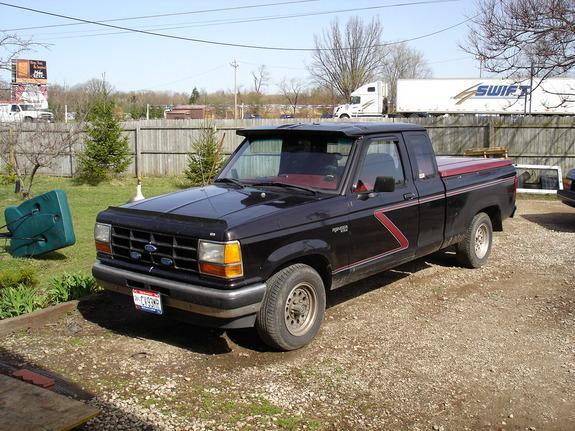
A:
{"points": [[299, 210]]}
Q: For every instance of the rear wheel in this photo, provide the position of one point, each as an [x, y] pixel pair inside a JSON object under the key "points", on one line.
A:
{"points": [[475, 248], [28, 120], [292, 309], [344, 116]]}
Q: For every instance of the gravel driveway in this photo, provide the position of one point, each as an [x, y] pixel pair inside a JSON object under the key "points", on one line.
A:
{"points": [[429, 346]]}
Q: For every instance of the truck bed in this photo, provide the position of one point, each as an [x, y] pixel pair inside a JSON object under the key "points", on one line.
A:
{"points": [[450, 166]]}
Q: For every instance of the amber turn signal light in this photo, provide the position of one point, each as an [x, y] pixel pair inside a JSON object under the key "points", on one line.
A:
{"points": [[103, 247], [226, 271]]}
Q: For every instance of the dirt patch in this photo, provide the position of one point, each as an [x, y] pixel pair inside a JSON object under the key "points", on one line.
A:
{"points": [[427, 346]]}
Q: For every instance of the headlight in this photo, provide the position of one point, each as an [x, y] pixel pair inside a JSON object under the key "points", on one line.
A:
{"points": [[102, 232], [222, 259], [102, 235]]}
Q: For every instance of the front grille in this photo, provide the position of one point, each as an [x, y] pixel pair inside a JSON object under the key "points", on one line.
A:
{"points": [[175, 253]]}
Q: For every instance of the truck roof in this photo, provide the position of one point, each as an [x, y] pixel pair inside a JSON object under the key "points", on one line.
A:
{"points": [[347, 129]]}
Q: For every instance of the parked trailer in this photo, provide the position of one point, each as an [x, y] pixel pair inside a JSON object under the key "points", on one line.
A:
{"points": [[463, 96]]}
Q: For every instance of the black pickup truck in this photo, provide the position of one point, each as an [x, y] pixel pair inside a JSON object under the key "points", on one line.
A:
{"points": [[296, 211]]}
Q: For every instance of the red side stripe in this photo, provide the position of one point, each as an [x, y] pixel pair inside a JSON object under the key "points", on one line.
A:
{"points": [[403, 242], [393, 229]]}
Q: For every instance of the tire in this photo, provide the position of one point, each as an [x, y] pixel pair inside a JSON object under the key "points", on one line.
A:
{"points": [[475, 248], [284, 324], [345, 116], [28, 120]]}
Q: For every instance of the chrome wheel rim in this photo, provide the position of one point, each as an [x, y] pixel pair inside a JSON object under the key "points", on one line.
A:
{"points": [[300, 309], [481, 241]]}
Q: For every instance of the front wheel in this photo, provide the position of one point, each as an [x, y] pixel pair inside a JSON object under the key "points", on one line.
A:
{"points": [[345, 116], [292, 309], [475, 248]]}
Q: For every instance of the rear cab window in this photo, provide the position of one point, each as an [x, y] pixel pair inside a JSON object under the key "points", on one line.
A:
{"points": [[421, 155]]}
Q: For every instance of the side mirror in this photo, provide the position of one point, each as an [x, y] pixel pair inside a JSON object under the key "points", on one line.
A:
{"points": [[384, 184]]}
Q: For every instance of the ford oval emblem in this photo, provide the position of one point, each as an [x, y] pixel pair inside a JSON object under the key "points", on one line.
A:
{"points": [[166, 261], [150, 248], [135, 255]]}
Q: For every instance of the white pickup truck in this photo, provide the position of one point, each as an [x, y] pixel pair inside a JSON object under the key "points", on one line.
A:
{"points": [[22, 113]]}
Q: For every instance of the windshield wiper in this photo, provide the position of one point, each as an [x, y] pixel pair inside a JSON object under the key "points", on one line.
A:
{"points": [[230, 180], [278, 184]]}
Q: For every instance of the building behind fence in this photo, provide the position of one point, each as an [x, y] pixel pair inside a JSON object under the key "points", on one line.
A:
{"points": [[160, 147]]}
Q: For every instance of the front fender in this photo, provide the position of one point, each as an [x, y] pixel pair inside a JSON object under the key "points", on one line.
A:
{"points": [[294, 251]]}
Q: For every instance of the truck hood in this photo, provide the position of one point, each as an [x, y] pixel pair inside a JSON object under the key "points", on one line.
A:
{"points": [[338, 108], [219, 202]]}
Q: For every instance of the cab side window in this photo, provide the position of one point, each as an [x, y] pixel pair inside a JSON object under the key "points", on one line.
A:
{"points": [[421, 155], [15, 108], [381, 160]]}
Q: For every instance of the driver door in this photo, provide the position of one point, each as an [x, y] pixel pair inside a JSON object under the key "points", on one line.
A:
{"points": [[383, 226]]}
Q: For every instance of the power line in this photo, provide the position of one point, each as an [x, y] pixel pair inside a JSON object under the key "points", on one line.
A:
{"points": [[221, 66], [236, 45], [272, 66], [256, 19], [450, 60], [167, 14]]}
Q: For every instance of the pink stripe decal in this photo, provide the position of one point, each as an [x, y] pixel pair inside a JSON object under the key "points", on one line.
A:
{"points": [[479, 186], [403, 242]]}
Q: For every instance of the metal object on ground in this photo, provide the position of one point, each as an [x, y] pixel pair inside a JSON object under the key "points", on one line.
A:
{"points": [[539, 179], [40, 225]]}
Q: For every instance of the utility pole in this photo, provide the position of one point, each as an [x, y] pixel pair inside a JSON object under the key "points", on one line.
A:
{"points": [[235, 65], [480, 58], [531, 86]]}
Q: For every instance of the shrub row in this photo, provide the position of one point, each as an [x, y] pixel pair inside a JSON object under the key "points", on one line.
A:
{"points": [[21, 296]]}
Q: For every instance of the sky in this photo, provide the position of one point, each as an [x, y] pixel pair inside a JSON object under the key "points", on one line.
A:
{"points": [[132, 61]]}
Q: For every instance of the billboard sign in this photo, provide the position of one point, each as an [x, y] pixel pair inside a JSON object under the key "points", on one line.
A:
{"points": [[36, 95], [29, 72]]}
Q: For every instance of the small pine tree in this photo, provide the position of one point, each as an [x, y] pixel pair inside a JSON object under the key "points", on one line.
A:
{"points": [[194, 96], [107, 153], [206, 158]]}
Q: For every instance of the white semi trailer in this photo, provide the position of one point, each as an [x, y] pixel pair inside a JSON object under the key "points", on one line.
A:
{"points": [[463, 96]]}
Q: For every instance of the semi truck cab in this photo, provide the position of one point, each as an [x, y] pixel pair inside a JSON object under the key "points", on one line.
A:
{"points": [[369, 100]]}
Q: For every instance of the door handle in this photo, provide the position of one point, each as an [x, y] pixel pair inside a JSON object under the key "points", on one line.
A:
{"points": [[408, 196]]}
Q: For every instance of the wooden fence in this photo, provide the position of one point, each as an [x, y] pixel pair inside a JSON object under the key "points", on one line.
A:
{"points": [[160, 147]]}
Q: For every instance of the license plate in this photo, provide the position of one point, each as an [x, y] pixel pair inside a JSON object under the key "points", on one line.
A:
{"points": [[147, 301]]}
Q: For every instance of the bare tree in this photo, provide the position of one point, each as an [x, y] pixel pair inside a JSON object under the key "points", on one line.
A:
{"points": [[292, 91], [261, 78], [5, 90], [25, 150], [347, 58], [520, 38], [99, 88], [11, 46], [404, 62]]}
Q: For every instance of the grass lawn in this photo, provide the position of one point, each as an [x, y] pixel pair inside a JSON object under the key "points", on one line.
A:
{"points": [[85, 202]]}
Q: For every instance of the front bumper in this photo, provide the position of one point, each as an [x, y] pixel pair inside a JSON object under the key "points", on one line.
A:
{"points": [[199, 300], [567, 197]]}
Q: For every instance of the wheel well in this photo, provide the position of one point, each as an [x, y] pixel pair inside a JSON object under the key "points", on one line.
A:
{"points": [[494, 214], [317, 262]]}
